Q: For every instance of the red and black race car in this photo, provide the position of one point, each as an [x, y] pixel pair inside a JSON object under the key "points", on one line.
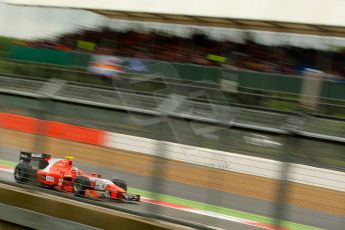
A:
{"points": [[61, 175]]}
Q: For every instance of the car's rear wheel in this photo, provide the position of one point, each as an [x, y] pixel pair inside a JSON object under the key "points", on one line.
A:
{"points": [[120, 183], [22, 173], [81, 183]]}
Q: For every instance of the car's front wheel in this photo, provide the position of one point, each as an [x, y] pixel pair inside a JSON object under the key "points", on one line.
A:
{"points": [[81, 183]]}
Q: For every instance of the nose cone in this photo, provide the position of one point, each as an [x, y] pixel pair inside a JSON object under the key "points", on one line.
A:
{"points": [[115, 188]]}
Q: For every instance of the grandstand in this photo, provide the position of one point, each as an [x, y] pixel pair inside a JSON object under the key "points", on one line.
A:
{"points": [[222, 114], [285, 53], [249, 55]]}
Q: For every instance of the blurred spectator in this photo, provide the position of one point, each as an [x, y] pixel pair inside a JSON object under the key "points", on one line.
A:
{"points": [[194, 50]]}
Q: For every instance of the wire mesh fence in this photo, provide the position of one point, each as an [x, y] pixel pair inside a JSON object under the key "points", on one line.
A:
{"points": [[208, 147], [189, 170]]}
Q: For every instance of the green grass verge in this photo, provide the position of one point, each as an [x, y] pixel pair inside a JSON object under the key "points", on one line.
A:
{"points": [[217, 209], [8, 164]]}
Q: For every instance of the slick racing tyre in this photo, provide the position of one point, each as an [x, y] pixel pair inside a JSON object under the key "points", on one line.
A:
{"points": [[81, 183], [22, 173], [120, 183]]}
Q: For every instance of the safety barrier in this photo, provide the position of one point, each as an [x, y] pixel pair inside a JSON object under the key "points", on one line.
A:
{"points": [[26, 218], [188, 154], [52, 129], [229, 161]]}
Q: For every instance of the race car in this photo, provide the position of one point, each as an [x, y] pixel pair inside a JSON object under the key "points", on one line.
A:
{"points": [[60, 174]]}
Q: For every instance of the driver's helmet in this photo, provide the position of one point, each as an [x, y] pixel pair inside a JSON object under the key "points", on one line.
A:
{"points": [[75, 169]]}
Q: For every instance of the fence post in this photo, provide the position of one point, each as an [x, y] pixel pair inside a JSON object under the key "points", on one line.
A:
{"points": [[158, 172], [283, 185], [48, 90], [293, 125]]}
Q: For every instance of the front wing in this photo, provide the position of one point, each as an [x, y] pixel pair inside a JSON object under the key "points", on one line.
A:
{"points": [[104, 195]]}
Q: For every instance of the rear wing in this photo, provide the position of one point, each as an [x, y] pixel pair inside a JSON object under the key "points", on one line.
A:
{"points": [[28, 156], [38, 160]]}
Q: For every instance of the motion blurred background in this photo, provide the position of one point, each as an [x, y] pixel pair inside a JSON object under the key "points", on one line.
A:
{"points": [[237, 111]]}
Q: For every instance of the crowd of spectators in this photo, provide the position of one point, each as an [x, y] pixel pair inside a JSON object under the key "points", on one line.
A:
{"points": [[158, 46]]}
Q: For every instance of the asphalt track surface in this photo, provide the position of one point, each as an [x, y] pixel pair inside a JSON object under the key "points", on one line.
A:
{"points": [[209, 196], [142, 207]]}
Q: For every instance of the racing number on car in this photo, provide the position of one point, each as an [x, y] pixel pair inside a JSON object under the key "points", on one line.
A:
{"points": [[99, 185]]}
